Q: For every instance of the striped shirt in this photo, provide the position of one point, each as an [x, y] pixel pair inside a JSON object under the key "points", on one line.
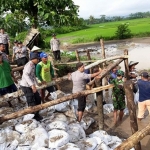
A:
{"points": [[4, 38]]}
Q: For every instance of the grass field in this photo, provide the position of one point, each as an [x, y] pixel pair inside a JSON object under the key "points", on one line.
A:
{"points": [[137, 27]]}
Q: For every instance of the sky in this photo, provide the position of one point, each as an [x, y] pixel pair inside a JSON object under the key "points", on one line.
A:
{"points": [[111, 7]]}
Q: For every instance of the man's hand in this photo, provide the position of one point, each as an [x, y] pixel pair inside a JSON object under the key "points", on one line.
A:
{"points": [[33, 88], [43, 82]]}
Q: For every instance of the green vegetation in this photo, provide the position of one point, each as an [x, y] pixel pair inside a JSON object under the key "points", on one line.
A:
{"points": [[138, 27]]}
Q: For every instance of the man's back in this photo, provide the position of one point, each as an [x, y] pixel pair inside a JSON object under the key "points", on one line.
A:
{"points": [[144, 90]]}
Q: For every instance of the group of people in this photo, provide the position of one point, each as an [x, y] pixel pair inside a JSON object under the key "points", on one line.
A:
{"points": [[37, 70], [39, 67], [142, 86]]}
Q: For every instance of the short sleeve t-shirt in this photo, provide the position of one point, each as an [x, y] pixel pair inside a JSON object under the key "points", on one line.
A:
{"points": [[5, 75], [79, 80], [144, 90]]}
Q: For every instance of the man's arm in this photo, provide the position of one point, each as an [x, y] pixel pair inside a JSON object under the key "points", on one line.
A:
{"points": [[51, 71]]}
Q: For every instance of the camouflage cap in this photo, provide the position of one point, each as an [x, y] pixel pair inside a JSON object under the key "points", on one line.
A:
{"points": [[120, 72]]}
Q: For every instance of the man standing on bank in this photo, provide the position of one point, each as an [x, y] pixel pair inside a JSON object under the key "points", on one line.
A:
{"points": [[29, 82], [79, 84], [4, 38], [54, 44]]}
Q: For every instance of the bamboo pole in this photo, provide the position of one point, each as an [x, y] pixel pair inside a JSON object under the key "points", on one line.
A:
{"points": [[88, 55], [17, 69], [103, 51], [134, 139], [13, 95], [103, 60], [99, 95], [77, 55], [51, 103], [126, 65], [128, 87]]}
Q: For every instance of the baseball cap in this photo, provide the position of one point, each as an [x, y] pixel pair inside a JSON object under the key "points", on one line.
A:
{"points": [[34, 56], [144, 74], [43, 55]]}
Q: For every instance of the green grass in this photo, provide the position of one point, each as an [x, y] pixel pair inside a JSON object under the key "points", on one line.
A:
{"points": [[137, 27]]}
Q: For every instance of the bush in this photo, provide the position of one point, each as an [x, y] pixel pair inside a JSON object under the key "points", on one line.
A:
{"points": [[123, 32], [21, 36]]}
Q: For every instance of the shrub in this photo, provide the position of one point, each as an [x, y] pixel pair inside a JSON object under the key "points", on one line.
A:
{"points": [[123, 32], [21, 36]]}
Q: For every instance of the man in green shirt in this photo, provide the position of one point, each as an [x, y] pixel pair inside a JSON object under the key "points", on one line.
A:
{"points": [[6, 82], [45, 73]]}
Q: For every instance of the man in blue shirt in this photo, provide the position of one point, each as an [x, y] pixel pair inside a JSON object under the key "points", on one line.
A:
{"points": [[144, 95]]}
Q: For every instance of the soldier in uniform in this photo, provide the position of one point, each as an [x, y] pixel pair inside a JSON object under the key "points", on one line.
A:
{"points": [[4, 38], [118, 96], [29, 82]]}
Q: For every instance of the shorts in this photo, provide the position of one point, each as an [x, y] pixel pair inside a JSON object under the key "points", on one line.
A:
{"points": [[118, 104], [6, 49], [81, 103], [10, 89], [142, 106], [21, 61]]}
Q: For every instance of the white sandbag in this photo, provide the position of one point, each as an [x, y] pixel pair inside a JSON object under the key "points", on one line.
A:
{"points": [[71, 112], [22, 147], [40, 137], [113, 146], [136, 97], [13, 145], [103, 146], [37, 147], [60, 117], [74, 127], [108, 108], [99, 141], [57, 125], [86, 122], [74, 102], [68, 146], [107, 139], [28, 117], [58, 138], [53, 95], [26, 126], [11, 135], [62, 107], [2, 139], [87, 144]]}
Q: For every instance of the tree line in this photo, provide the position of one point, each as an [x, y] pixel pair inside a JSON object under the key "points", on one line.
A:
{"points": [[104, 18]]}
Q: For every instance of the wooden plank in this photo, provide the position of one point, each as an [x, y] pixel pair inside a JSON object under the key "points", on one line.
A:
{"points": [[51, 103]]}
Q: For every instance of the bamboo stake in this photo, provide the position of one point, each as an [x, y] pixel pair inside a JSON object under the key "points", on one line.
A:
{"points": [[134, 139], [128, 86], [51, 103], [126, 65], [77, 55], [88, 55]]}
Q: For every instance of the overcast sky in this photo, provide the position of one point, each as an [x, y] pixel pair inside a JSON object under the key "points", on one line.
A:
{"points": [[111, 7]]}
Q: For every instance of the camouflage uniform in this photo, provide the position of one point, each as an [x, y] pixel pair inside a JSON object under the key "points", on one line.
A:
{"points": [[118, 95]]}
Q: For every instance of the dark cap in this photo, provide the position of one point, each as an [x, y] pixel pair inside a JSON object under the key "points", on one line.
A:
{"points": [[120, 73], [79, 64], [144, 74], [19, 42], [53, 34], [34, 56]]}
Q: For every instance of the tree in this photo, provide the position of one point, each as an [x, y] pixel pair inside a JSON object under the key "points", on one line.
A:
{"points": [[91, 19], [123, 32], [51, 12]]}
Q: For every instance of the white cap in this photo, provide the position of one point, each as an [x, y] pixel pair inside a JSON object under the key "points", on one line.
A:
{"points": [[35, 48]]}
